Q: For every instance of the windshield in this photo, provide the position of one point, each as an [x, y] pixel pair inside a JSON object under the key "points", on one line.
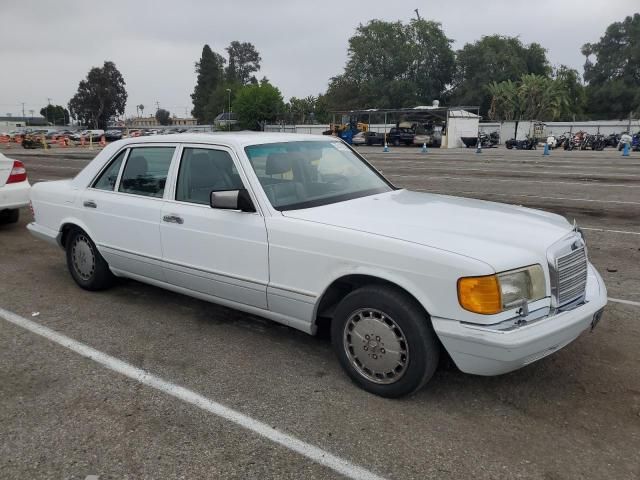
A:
{"points": [[312, 173]]}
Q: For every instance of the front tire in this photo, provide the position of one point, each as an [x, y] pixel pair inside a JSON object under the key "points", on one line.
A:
{"points": [[87, 267], [384, 341]]}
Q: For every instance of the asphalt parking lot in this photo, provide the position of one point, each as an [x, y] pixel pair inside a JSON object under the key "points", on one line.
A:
{"points": [[575, 414]]}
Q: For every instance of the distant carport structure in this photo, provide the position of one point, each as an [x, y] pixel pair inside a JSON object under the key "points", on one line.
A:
{"points": [[456, 122]]}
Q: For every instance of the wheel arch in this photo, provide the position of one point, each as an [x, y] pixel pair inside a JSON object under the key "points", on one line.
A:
{"points": [[345, 284], [67, 225]]}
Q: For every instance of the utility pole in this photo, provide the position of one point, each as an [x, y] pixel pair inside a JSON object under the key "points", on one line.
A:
{"points": [[229, 114], [48, 105], [157, 105], [23, 117], [417, 14]]}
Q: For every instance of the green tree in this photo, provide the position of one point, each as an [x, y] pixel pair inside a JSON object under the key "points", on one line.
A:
{"points": [[533, 97], [163, 116], [494, 58], [302, 110], [100, 97], [569, 81], [257, 104], [612, 70], [244, 61], [55, 114], [391, 64], [219, 99], [210, 71]]}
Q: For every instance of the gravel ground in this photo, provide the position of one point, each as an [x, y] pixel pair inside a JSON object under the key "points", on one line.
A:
{"points": [[575, 414]]}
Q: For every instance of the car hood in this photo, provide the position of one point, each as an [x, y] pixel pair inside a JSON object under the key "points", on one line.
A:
{"points": [[503, 236]]}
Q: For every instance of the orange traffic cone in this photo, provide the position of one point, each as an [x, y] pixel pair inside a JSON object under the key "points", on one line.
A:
{"points": [[103, 141], [82, 140], [61, 142]]}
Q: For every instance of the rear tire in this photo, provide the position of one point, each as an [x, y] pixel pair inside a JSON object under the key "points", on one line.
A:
{"points": [[384, 341], [87, 267], [10, 216]]}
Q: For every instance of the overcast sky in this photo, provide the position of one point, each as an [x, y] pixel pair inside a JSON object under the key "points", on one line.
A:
{"points": [[47, 48]]}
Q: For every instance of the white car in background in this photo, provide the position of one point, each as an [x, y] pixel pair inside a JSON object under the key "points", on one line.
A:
{"points": [[14, 189], [302, 230]]}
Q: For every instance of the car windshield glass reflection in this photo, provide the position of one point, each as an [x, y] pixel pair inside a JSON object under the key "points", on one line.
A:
{"points": [[312, 173]]}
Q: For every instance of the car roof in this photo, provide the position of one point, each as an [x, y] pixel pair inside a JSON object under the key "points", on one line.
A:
{"points": [[234, 139]]}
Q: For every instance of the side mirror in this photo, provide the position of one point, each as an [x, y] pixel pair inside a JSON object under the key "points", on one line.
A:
{"points": [[232, 200]]}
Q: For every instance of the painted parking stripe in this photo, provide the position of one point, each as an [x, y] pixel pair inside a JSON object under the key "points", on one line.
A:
{"points": [[447, 192], [626, 302], [589, 183], [626, 232], [318, 455], [446, 166]]}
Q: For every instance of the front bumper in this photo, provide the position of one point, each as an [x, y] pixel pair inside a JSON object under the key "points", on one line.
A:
{"points": [[14, 195], [482, 351]]}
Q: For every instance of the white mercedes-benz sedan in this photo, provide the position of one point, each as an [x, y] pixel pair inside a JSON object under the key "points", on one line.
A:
{"points": [[302, 230], [14, 189]]}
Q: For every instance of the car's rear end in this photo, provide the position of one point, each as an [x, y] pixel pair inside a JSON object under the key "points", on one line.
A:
{"points": [[14, 189]]}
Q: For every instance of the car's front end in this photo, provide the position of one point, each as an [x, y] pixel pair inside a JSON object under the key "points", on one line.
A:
{"points": [[550, 305]]}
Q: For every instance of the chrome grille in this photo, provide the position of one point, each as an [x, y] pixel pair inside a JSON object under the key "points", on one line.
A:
{"points": [[571, 276]]}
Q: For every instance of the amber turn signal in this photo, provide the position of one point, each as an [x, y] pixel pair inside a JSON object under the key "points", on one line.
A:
{"points": [[480, 294]]}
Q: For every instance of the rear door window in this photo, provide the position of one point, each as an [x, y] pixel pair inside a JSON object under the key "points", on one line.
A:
{"points": [[145, 172], [107, 179]]}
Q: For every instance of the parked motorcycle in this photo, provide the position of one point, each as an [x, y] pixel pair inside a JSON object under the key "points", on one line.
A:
{"points": [[526, 144], [562, 140], [575, 141], [612, 140]]}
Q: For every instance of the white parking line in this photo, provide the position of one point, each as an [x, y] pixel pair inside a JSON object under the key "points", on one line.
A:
{"points": [[516, 180], [626, 302], [447, 192], [555, 173], [322, 457], [626, 232], [44, 165]]}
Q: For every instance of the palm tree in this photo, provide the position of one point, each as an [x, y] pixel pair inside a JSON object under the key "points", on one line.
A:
{"points": [[533, 97]]}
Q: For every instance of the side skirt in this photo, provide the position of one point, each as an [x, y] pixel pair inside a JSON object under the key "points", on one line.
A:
{"points": [[276, 317]]}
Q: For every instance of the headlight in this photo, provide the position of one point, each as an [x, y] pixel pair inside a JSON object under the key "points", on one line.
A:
{"points": [[496, 293]]}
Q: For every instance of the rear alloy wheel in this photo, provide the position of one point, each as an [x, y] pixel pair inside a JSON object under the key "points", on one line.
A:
{"points": [[87, 267], [384, 341]]}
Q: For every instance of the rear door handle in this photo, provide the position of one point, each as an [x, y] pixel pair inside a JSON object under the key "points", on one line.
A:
{"points": [[90, 204], [173, 219]]}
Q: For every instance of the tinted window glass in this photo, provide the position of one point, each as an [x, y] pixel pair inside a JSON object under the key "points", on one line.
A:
{"points": [[309, 173], [204, 170], [107, 181], [145, 172]]}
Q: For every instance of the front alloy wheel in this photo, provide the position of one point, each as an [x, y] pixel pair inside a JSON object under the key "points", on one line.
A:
{"points": [[376, 346], [384, 340]]}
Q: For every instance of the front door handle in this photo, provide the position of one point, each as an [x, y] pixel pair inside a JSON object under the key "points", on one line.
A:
{"points": [[90, 204], [173, 219]]}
